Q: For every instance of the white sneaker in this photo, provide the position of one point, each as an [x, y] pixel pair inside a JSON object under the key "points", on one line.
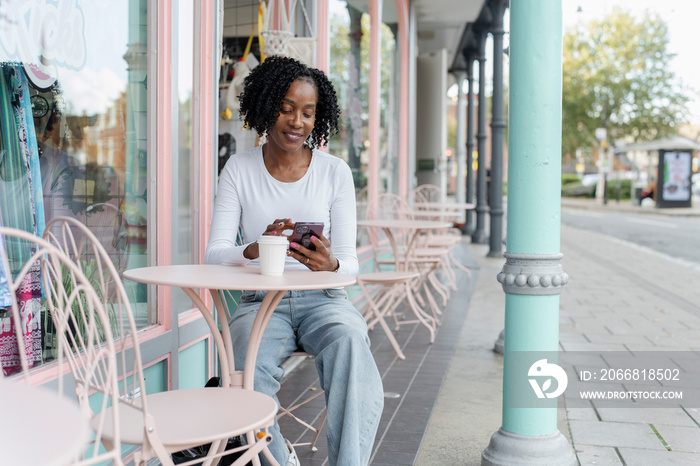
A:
{"points": [[293, 458]]}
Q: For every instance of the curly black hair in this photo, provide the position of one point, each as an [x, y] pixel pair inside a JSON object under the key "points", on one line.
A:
{"points": [[268, 83]]}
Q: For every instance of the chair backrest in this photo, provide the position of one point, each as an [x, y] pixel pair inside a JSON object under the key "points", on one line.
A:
{"points": [[387, 206], [84, 335], [99, 268], [427, 193]]}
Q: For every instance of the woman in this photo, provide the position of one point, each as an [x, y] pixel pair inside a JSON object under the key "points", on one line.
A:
{"points": [[267, 190]]}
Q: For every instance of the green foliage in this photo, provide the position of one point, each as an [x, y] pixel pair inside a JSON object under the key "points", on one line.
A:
{"points": [[567, 178], [79, 306], [576, 189], [617, 75], [625, 189]]}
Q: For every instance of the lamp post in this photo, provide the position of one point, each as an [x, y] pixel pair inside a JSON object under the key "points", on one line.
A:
{"points": [[601, 192], [532, 277]]}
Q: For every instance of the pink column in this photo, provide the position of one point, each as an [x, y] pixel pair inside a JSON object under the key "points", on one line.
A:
{"points": [[204, 112], [322, 35], [402, 13], [375, 12], [163, 199]]}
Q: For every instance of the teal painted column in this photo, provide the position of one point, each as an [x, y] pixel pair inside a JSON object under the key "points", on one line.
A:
{"points": [[532, 277]]}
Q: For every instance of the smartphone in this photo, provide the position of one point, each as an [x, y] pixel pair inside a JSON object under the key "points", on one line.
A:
{"points": [[303, 231]]}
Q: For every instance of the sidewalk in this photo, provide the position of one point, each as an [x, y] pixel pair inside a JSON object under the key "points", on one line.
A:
{"points": [[619, 298]]}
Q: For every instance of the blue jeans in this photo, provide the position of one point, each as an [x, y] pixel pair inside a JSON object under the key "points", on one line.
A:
{"points": [[325, 324]]}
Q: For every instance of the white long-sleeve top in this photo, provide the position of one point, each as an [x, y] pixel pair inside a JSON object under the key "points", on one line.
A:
{"points": [[249, 197]]}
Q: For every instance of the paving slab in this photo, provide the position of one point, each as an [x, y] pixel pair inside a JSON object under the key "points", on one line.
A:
{"points": [[605, 456], [640, 457], [679, 438], [614, 434], [581, 413], [655, 416]]}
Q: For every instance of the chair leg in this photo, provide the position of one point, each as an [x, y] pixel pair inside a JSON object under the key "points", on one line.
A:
{"points": [[251, 454], [423, 318], [449, 272], [438, 287], [318, 430], [456, 263], [379, 317], [433, 305]]}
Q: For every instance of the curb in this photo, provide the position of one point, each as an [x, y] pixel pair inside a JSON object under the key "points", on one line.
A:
{"points": [[626, 206]]}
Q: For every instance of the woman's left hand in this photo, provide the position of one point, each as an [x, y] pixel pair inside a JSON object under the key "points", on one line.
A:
{"points": [[318, 260]]}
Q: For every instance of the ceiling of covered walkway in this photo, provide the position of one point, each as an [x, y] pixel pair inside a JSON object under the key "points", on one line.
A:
{"points": [[440, 23]]}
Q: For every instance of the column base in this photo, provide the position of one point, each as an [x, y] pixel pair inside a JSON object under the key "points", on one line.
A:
{"points": [[511, 449], [499, 346], [495, 254], [480, 237], [468, 230]]}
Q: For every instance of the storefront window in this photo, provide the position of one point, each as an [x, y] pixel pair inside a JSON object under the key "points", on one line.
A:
{"points": [[182, 160], [349, 72], [73, 130]]}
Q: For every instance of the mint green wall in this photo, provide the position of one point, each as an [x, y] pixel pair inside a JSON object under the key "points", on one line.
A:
{"points": [[155, 382], [194, 365]]}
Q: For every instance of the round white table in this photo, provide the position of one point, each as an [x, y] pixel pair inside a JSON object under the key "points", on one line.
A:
{"points": [[244, 278], [416, 226], [438, 215], [444, 206], [38, 426]]}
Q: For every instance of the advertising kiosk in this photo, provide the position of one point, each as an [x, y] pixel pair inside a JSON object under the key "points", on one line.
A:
{"points": [[673, 183]]}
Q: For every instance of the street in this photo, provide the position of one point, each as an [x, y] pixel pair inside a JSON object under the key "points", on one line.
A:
{"points": [[677, 237]]}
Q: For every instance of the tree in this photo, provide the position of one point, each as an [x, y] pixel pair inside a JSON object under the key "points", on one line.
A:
{"points": [[617, 76]]}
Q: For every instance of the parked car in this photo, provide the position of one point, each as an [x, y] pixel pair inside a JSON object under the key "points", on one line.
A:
{"points": [[589, 180]]}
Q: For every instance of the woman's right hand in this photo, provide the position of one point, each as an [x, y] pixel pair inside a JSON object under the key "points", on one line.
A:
{"points": [[278, 226], [274, 229]]}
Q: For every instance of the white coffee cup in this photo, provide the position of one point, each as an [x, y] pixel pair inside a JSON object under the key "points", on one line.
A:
{"points": [[273, 254]]}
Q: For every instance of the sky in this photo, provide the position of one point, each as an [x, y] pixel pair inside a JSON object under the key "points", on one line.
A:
{"points": [[681, 16]]}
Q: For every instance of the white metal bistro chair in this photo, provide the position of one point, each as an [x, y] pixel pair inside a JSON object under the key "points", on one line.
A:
{"points": [[428, 193], [385, 290], [97, 339], [77, 292]]}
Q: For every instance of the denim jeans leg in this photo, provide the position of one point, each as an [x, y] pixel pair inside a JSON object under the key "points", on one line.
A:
{"points": [[331, 329], [277, 344]]}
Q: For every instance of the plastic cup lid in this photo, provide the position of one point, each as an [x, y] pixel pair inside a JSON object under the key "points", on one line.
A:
{"points": [[269, 239]]}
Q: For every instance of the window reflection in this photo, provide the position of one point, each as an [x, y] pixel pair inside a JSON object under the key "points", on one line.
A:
{"points": [[73, 137], [182, 163], [349, 71]]}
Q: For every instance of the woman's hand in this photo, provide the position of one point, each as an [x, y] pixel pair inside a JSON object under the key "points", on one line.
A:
{"points": [[274, 229], [278, 226], [318, 260]]}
